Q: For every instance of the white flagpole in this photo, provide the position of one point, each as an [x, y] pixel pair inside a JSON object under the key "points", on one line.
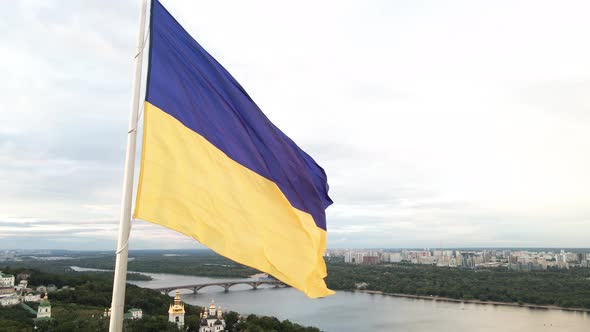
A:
{"points": [[117, 306]]}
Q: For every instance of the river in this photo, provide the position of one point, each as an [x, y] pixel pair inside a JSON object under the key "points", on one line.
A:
{"points": [[350, 311]]}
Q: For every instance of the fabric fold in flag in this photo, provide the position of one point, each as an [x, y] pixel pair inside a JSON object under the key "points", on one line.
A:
{"points": [[215, 168]]}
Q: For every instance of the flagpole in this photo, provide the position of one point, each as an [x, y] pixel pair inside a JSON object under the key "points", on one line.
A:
{"points": [[118, 303]]}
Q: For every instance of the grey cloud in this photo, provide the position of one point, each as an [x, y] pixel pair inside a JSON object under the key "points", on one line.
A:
{"points": [[15, 224], [31, 222]]}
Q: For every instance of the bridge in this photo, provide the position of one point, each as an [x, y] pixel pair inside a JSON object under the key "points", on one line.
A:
{"points": [[226, 285]]}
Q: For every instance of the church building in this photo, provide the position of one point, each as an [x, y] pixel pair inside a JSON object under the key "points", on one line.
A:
{"points": [[44, 310], [212, 319], [176, 311]]}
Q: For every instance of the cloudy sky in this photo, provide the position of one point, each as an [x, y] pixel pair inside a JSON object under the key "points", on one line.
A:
{"points": [[439, 123]]}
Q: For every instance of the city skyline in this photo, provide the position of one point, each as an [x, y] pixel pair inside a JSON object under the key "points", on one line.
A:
{"points": [[514, 259], [439, 125]]}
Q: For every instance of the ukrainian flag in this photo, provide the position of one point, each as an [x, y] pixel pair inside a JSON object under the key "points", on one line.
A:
{"points": [[215, 168]]}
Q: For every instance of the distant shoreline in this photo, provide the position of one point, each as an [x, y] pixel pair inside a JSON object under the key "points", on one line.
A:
{"points": [[449, 299]]}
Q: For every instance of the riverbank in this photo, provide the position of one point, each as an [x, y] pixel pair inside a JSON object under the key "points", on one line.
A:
{"points": [[448, 299]]}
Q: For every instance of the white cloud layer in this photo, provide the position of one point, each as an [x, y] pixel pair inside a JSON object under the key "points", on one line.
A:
{"points": [[457, 123]]}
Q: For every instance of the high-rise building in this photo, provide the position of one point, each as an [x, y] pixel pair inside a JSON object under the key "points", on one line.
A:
{"points": [[371, 260], [348, 257], [353, 257], [468, 260], [395, 257]]}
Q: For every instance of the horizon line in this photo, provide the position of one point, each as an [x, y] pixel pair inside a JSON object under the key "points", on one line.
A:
{"points": [[342, 248]]}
